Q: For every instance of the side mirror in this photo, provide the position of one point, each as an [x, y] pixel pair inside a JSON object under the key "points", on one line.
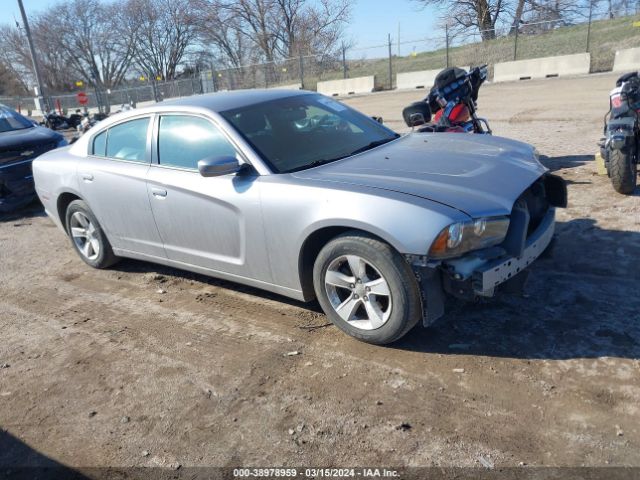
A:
{"points": [[416, 114], [217, 166], [378, 119]]}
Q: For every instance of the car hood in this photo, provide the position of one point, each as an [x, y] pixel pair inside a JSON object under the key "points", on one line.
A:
{"points": [[477, 174]]}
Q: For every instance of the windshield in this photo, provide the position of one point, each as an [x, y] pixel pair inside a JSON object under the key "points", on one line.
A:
{"points": [[303, 131], [11, 120]]}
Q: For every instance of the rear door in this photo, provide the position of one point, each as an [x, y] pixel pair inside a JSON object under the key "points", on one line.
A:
{"points": [[113, 182]]}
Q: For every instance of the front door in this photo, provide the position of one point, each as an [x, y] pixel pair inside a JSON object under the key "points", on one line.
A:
{"points": [[210, 222]]}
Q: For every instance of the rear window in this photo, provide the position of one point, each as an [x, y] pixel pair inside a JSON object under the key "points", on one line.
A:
{"points": [[125, 141]]}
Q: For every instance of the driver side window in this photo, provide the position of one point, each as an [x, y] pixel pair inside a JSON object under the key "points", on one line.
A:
{"points": [[183, 140]]}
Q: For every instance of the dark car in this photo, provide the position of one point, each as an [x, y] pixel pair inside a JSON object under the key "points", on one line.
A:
{"points": [[21, 140]]}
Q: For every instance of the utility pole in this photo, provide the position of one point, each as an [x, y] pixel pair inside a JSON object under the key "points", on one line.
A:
{"points": [[36, 68], [515, 44], [301, 72], [446, 37], [344, 61], [390, 66], [589, 27]]}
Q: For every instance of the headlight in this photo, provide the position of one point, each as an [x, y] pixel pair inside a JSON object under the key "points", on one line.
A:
{"points": [[462, 237]]}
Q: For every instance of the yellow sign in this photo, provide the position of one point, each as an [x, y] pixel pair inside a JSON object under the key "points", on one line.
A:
{"points": [[158, 78], [600, 166], [414, 54], [142, 79], [636, 24], [79, 83], [284, 69]]}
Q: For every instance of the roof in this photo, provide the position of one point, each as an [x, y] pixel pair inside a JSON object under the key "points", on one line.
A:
{"points": [[222, 101]]}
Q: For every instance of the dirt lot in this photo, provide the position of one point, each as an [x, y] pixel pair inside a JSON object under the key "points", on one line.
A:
{"points": [[100, 369]]}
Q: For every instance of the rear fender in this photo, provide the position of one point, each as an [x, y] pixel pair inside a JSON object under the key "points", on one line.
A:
{"points": [[620, 133]]}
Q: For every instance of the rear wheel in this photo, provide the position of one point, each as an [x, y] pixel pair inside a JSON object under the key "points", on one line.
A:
{"points": [[87, 236], [623, 171], [366, 288]]}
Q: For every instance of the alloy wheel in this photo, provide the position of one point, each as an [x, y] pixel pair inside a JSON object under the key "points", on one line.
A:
{"points": [[84, 235], [358, 292]]}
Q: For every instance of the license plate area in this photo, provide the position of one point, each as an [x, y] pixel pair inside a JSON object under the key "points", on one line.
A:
{"points": [[486, 279]]}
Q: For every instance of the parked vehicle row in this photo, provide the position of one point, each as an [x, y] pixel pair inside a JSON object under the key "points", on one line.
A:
{"points": [[299, 194]]}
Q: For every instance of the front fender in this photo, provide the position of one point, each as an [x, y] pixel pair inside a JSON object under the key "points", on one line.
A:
{"points": [[294, 212]]}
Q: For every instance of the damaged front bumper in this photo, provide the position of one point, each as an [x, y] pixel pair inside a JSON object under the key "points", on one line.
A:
{"points": [[478, 274]]}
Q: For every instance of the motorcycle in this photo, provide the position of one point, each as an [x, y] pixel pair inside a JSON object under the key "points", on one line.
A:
{"points": [[75, 119], [619, 147], [87, 121], [55, 121], [453, 103]]}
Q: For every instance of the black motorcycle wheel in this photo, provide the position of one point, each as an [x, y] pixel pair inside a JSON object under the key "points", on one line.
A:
{"points": [[623, 171]]}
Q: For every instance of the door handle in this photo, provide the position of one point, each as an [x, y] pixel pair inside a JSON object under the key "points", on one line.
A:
{"points": [[87, 177], [159, 192]]}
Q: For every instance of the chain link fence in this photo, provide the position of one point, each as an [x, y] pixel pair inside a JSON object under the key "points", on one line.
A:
{"points": [[596, 34]]}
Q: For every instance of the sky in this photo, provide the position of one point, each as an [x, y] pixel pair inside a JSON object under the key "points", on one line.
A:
{"points": [[372, 21]]}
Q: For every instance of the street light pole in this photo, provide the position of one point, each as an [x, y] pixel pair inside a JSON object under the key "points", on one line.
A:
{"points": [[36, 67]]}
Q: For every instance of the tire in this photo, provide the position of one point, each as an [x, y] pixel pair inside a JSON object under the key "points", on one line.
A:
{"points": [[87, 236], [388, 309], [623, 171]]}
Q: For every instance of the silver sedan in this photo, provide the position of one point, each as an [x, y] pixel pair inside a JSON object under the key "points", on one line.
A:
{"points": [[298, 194]]}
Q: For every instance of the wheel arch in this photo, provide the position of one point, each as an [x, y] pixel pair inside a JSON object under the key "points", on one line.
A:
{"points": [[317, 239], [62, 203]]}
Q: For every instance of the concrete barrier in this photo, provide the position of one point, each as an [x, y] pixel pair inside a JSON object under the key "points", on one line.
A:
{"points": [[546, 67], [421, 79], [628, 59], [293, 86], [348, 86]]}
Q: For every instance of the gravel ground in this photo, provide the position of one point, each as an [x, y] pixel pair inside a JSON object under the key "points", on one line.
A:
{"points": [[101, 369]]}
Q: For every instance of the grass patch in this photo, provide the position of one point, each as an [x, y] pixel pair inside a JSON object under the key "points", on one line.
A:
{"points": [[606, 37]]}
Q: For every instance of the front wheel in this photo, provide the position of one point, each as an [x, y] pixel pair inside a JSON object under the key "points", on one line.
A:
{"points": [[623, 171], [366, 288]]}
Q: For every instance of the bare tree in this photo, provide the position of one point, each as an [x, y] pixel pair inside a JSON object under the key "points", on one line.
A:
{"points": [[517, 16], [258, 22], [238, 33], [14, 57], [480, 15], [220, 33], [10, 81], [89, 37], [557, 11], [163, 31], [14, 51], [103, 42], [310, 27]]}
